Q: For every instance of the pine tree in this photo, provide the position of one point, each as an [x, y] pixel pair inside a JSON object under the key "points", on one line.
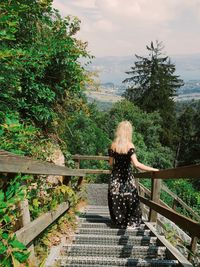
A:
{"points": [[152, 86]]}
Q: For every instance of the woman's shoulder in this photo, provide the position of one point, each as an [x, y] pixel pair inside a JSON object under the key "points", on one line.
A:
{"points": [[131, 149]]}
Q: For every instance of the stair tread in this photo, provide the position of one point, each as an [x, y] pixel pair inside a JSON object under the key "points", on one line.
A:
{"points": [[103, 225], [117, 232], [113, 236], [153, 247], [114, 260]]}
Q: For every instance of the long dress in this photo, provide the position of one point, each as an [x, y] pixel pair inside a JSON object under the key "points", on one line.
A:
{"points": [[123, 199]]}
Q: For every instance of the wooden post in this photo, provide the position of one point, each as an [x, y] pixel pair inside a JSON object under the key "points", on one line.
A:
{"points": [[77, 163], [142, 194], [155, 196], [193, 247], [174, 204], [66, 180], [24, 220], [80, 181]]}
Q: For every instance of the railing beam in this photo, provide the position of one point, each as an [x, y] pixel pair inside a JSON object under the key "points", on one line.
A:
{"points": [[183, 222]]}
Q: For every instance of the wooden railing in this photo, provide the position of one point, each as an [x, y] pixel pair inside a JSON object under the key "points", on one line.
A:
{"points": [[9, 164], [155, 204]]}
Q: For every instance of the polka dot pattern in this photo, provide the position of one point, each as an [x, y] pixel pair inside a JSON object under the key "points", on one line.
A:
{"points": [[123, 199]]}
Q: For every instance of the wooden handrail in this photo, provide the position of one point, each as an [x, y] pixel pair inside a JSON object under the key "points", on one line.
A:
{"points": [[31, 230], [174, 196], [11, 163], [185, 223], [185, 172], [87, 157]]}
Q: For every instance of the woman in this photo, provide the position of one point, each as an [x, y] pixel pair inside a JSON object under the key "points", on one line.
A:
{"points": [[123, 199]]}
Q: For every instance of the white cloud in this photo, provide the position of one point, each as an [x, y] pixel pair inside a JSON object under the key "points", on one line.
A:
{"points": [[116, 27], [84, 3]]}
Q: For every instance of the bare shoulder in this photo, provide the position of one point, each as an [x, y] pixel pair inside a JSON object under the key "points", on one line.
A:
{"points": [[131, 145]]}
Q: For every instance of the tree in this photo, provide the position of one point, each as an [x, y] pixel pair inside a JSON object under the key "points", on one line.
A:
{"points": [[153, 85]]}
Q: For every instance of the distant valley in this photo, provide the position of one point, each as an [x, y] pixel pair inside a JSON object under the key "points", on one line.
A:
{"points": [[112, 69], [111, 72]]}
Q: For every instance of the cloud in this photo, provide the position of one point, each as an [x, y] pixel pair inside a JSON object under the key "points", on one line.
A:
{"points": [[116, 27]]}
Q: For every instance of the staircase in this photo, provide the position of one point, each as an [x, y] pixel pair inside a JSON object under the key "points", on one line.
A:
{"points": [[97, 243]]}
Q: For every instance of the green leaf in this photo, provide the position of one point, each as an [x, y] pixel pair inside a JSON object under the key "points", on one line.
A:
{"points": [[3, 248], [1, 196], [5, 236], [6, 219], [36, 202], [21, 256], [7, 262], [17, 244]]}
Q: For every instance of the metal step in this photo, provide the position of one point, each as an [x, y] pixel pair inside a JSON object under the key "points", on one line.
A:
{"points": [[115, 240], [100, 209], [104, 225], [94, 219], [99, 261], [94, 215], [125, 251], [104, 231]]}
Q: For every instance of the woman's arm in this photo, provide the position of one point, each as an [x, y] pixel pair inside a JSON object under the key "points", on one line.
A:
{"points": [[140, 166]]}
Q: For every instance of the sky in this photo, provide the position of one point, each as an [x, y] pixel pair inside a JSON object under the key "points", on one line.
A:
{"points": [[125, 27]]}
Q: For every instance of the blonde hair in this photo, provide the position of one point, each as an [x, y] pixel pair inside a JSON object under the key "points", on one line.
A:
{"points": [[123, 138]]}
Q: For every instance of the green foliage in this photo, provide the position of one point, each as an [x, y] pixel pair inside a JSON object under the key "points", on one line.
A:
{"points": [[43, 196], [39, 60], [11, 250], [185, 190], [153, 85], [189, 144], [170, 234], [17, 137], [23, 138], [87, 137]]}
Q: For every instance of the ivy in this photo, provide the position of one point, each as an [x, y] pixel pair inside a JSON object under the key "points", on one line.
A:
{"points": [[11, 250]]}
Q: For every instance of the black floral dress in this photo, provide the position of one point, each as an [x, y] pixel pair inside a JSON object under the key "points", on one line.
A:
{"points": [[123, 199]]}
